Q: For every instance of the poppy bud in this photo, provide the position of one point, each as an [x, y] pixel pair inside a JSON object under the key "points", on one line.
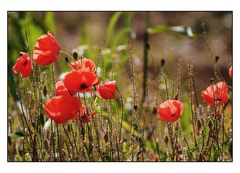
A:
{"points": [[162, 62], [166, 139], [66, 59], [135, 107], [75, 54], [217, 59], [45, 91]]}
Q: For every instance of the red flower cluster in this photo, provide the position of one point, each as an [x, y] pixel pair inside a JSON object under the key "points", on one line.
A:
{"points": [[82, 78], [46, 52], [170, 110], [23, 65]]}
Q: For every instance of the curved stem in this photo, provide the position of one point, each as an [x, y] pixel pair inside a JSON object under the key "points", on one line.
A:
{"points": [[67, 54], [165, 81]]}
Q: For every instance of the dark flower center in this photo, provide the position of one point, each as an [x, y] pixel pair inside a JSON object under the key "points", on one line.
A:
{"points": [[25, 63], [83, 86], [173, 115]]}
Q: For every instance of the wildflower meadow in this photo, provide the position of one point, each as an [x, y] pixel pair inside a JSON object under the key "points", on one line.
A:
{"points": [[120, 86]]}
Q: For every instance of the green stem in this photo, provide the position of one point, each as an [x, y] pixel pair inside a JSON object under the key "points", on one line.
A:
{"points": [[145, 58]]}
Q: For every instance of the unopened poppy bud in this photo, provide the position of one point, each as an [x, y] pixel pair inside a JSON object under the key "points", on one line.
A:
{"points": [[166, 140], [135, 107], [148, 46], [217, 59], [75, 54], [45, 91], [66, 59], [162, 62], [154, 110]]}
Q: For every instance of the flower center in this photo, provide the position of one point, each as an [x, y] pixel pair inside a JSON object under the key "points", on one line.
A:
{"points": [[25, 63], [83, 86]]}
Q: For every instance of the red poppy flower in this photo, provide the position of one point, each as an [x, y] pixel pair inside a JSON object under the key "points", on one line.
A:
{"points": [[107, 90], [217, 93], [23, 65], [85, 115], [84, 64], [46, 50], [60, 89], [230, 72], [170, 110], [80, 81], [62, 108]]}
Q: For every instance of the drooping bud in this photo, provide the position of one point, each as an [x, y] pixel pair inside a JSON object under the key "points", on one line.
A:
{"points": [[162, 62], [75, 54]]}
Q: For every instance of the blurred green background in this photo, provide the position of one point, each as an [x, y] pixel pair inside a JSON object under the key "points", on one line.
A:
{"points": [[87, 30]]}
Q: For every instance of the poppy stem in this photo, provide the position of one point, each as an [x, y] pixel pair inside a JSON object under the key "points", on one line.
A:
{"points": [[145, 57], [68, 137], [28, 44], [99, 52], [170, 131], [165, 81], [121, 120]]}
